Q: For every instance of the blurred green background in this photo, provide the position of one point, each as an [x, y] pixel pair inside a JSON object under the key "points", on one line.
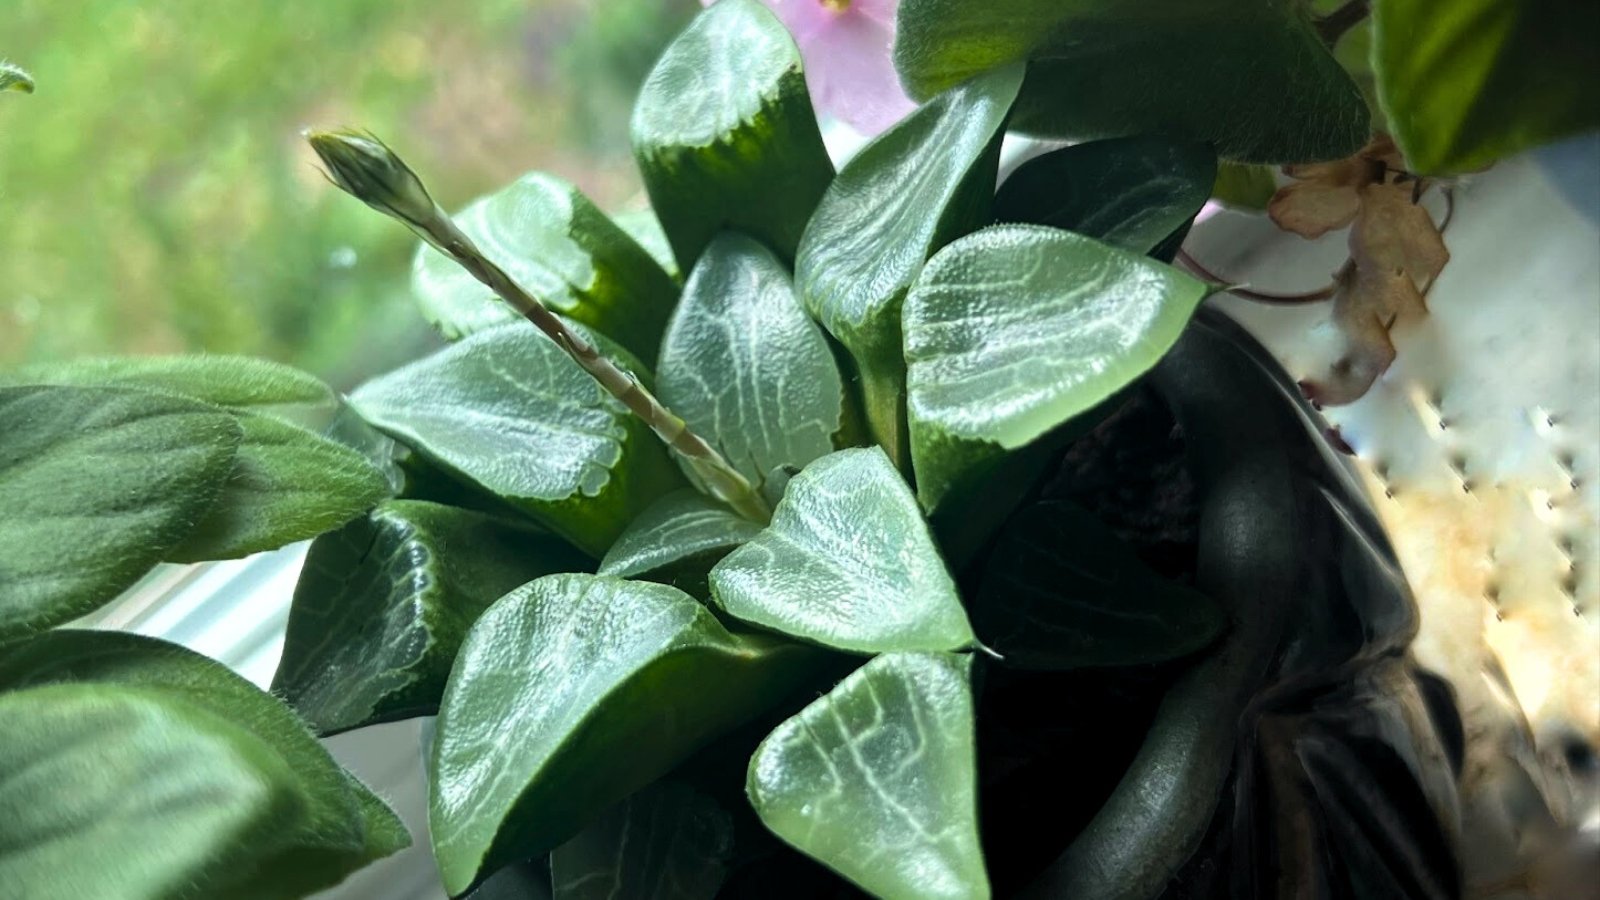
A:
{"points": [[155, 195]]}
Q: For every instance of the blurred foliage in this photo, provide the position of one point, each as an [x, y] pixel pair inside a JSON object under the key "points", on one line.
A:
{"points": [[157, 196]]}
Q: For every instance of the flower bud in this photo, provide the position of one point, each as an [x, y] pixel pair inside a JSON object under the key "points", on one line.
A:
{"points": [[365, 168]]}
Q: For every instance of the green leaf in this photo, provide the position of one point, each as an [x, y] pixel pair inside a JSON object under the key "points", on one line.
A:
{"points": [[509, 412], [14, 78], [123, 793], [572, 692], [1061, 592], [677, 541], [236, 382], [877, 780], [1131, 193], [1250, 76], [383, 604], [287, 485], [1014, 331], [725, 135], [342, 827], [1243, 186], [919, 185], [848, 563], [96, 485], [745, 366], [1466, 82], [557, 244], [667, 842], [646, 231]]}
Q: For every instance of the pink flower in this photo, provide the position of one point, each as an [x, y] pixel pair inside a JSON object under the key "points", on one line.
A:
{"points": [[846, 48]]}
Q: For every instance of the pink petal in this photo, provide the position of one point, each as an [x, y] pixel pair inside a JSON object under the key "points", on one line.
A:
{"points": [[851, 75]]}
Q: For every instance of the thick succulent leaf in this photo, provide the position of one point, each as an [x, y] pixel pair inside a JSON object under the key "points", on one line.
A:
{"points": [[919, 185], [14, 78], [1466, 82], [745, 366], [1250, 76], [1132, 193], [667, 842], [96, 485], [127, 793], [287, 485], [236, 382], [877, 780], [725, 135], [383, 604], [1060, 591], [557, 244], [646, 231], [509, 412], [572, 692], [1014, 331], [847, 562], [677, 541], [342, 826]]}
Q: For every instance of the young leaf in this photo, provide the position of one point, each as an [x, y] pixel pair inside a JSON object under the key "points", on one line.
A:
{"points": [[1244, 186], [848, 563], [1132, 193], [1061, 591], [877, 780], [342, 825], [667, 842], [926, 181], [383, 604], [556, 243], [118, 792], [745, 366], [677, 541], [1250, 76], [96, 485], [1467, 82], [1013, 331], [287, 485], [508, 411], [569, 694], [236, 382], [725, 135]]}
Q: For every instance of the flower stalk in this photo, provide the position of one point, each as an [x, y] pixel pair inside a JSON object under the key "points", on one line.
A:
{"points": [[364, 167]]}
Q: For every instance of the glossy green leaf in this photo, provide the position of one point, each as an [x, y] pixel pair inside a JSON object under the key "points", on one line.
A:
{"points": [[509, 412], [677, 541], [236, 382], [1244, 186], [745, 366], [14, 78], [124, 794], [96, 485], [725, 135], [1131, 193], [383, 604], [919, 185], [847, 562], [1249, 76], [287, 485], [667, 842], [342, 826], [1015, 330], [1060, 591], [572, 692], [877, 780], [1467, 82], [646, 231], [557, 244]]}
